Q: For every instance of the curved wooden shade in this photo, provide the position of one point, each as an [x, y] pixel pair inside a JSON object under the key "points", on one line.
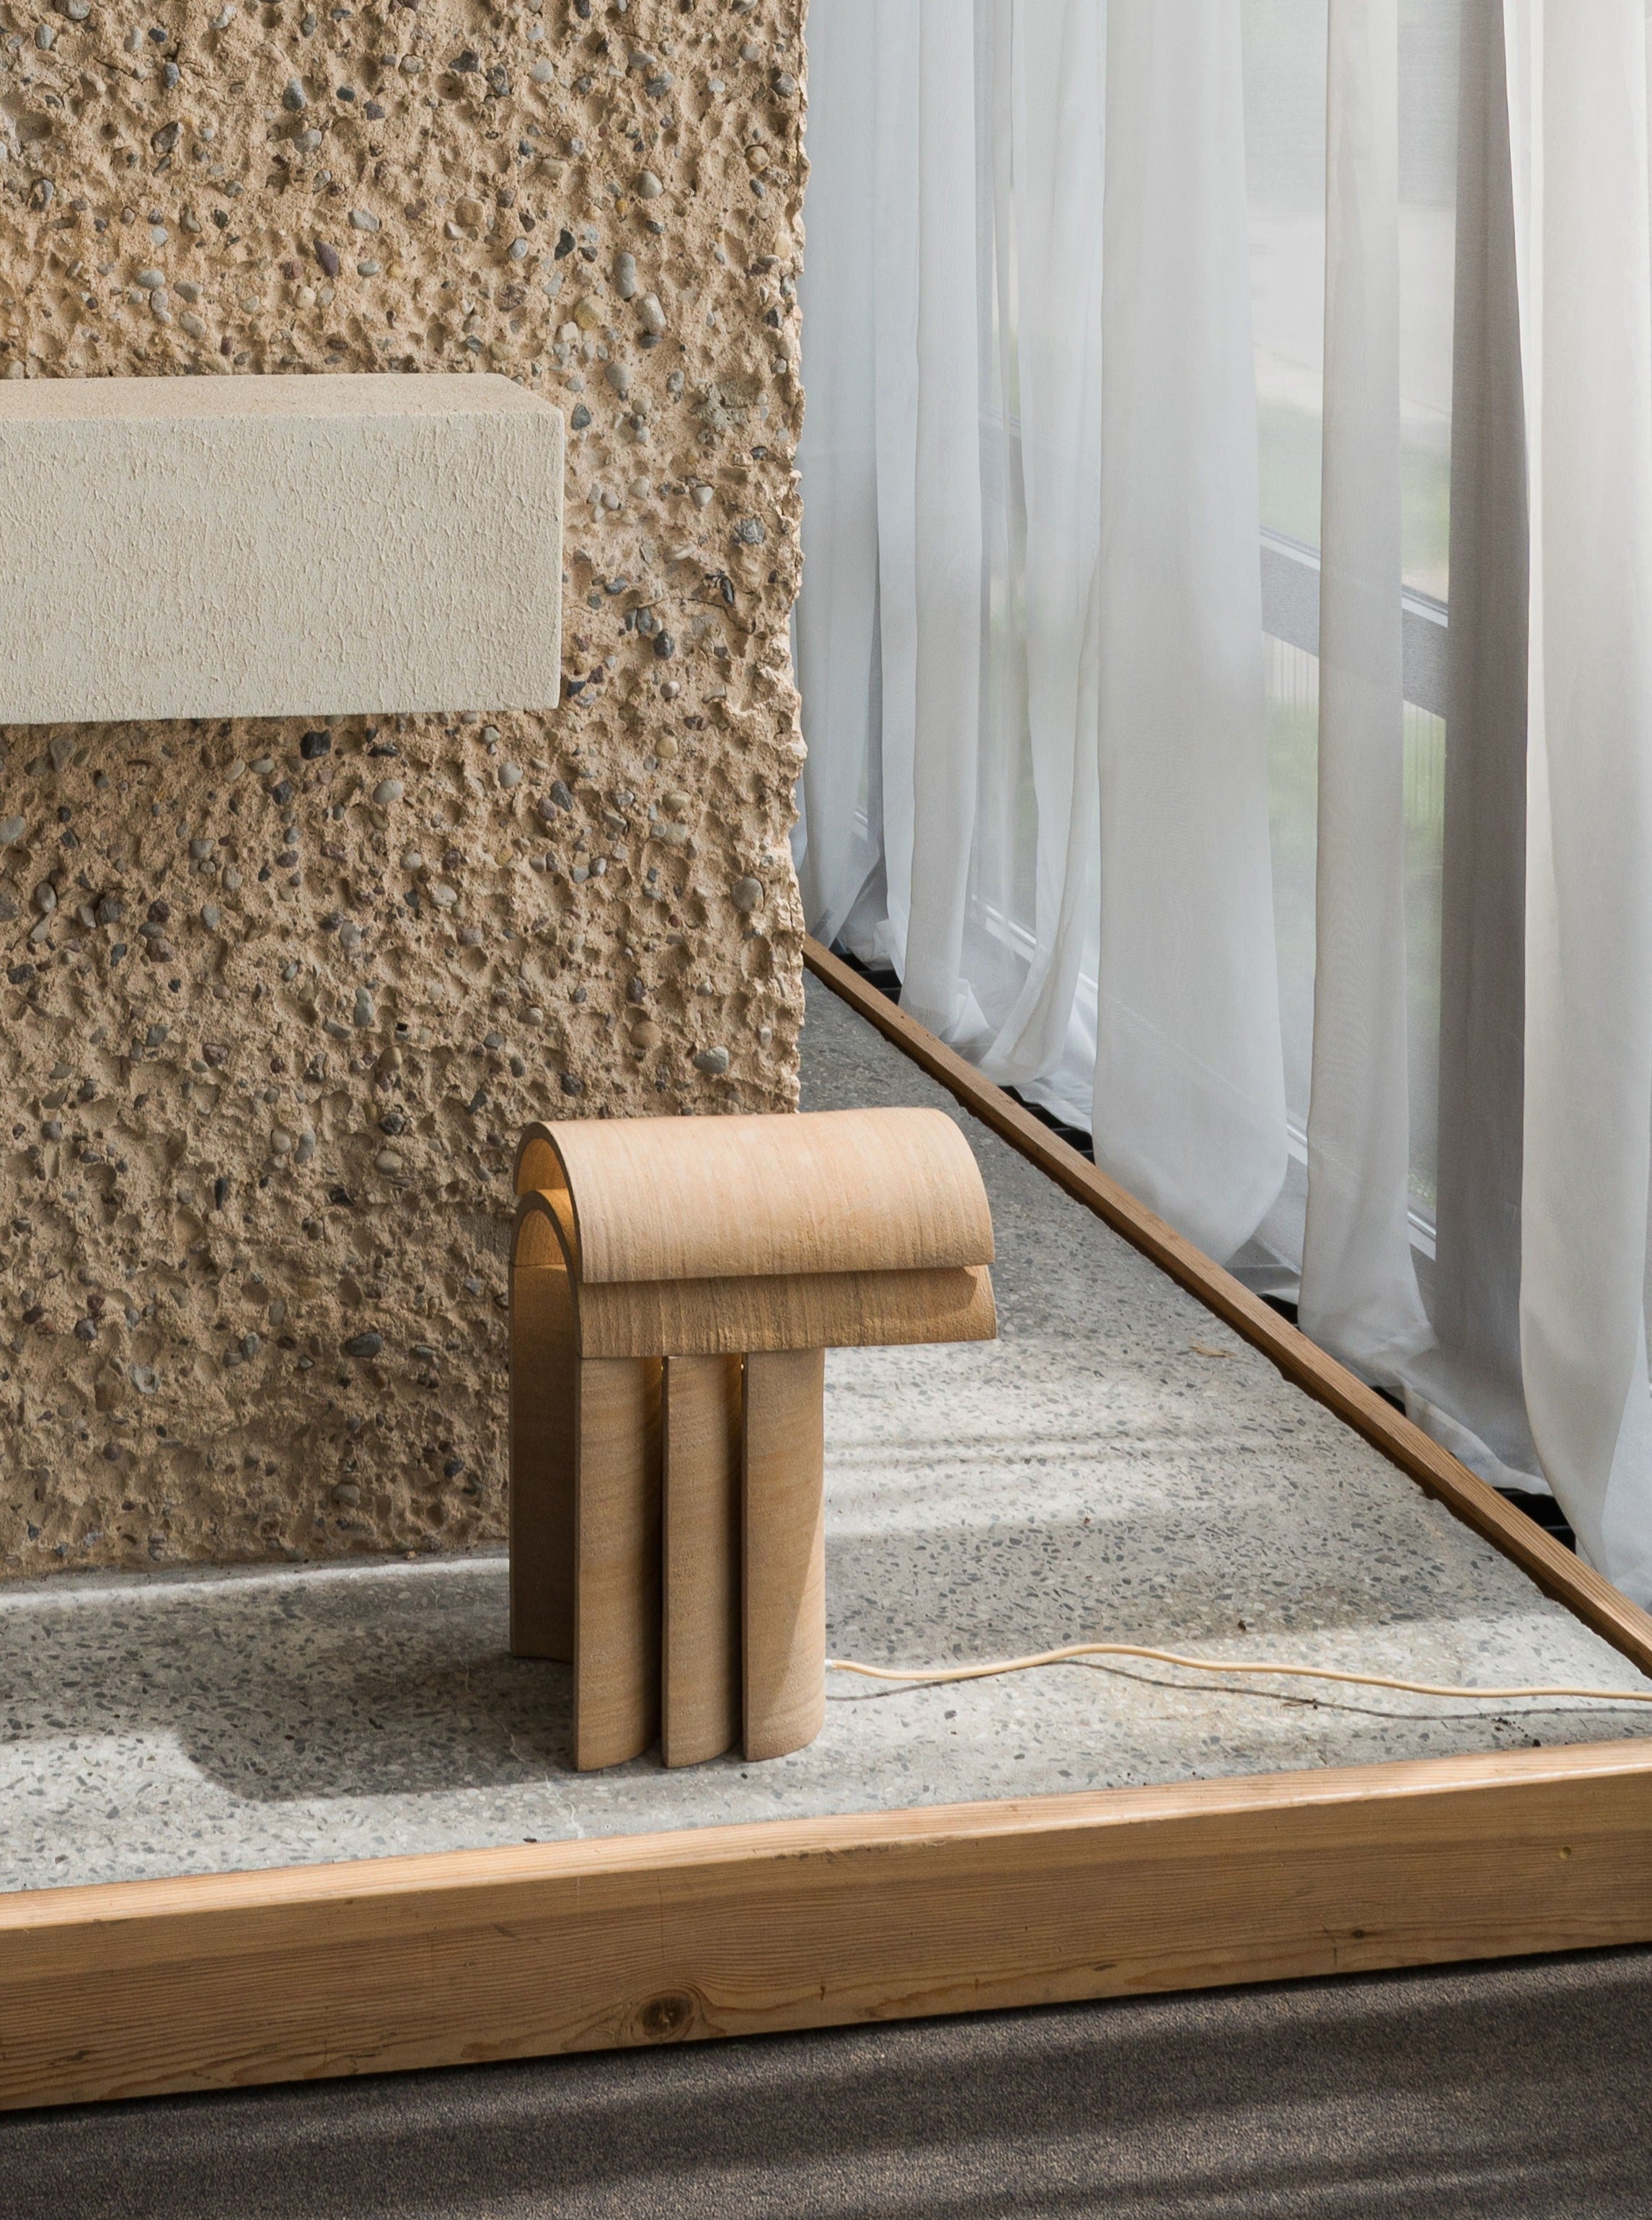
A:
{"points": [[765, 1197]]}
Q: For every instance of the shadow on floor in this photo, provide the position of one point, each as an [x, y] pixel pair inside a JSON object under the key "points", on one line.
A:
{"points": [[1513, 2093], [402, 1685], [1542, 1509]]}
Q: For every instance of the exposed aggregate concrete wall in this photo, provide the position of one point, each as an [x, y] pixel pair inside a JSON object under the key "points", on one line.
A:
{"points": [[275, 999]]}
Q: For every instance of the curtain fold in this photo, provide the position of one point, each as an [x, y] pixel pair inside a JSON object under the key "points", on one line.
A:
{"points": [[946, 530], [1047, 66], [1189, 1102], [836, 645], [1469, 1391], [1359, 1296]]}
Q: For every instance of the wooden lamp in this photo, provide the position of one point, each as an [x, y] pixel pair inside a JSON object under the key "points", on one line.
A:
{"points": [[674, 1286]]}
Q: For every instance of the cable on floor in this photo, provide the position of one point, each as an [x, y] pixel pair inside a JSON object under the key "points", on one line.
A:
{"points": [[934, 1677]]}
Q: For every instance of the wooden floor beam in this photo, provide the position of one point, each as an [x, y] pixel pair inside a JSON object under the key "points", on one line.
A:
{"points": [[221, 1981]]}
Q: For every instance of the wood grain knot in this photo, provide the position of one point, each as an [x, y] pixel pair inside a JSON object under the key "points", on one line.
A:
{"points": [[665, 2019]]}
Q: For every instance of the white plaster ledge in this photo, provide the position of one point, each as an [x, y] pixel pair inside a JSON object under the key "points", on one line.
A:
{"points": [[276, 546]]}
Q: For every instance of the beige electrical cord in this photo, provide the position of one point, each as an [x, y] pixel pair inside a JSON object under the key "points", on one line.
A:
{"points": [[927, 1677]]}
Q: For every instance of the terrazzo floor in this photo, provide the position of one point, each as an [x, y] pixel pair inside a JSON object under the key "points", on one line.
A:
{"points": [[1116, 1465]]}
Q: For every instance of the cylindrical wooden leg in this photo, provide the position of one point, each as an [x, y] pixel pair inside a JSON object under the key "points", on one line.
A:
{"points": [[700, 1665], [616, 1575], [784, 1459], [543, 1422]]}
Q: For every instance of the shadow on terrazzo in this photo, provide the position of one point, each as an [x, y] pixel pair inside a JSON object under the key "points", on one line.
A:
{"points": [[322, 1687]]}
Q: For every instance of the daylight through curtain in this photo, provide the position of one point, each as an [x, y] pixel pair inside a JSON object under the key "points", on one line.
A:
{"points": [[1227, 487]]}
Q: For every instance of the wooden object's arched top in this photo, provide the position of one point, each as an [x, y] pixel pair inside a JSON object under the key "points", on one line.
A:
{"points": [[543, 1234], [666, 1199]]}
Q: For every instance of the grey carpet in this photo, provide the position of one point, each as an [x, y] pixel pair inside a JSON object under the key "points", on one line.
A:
{"points": [[1521, 2092]]}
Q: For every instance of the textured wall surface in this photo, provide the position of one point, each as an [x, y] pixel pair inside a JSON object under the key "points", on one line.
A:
{"points": [[274, 999], [248, 556]]}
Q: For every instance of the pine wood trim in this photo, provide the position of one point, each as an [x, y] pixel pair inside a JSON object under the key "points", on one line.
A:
{"points": [[1553, 1567], [221, 1981]]}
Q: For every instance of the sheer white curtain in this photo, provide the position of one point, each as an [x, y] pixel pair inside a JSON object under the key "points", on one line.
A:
{"points": [[1121, 746], [1540, 1377], [949, 655], [1578, 88], [1044, 534]]}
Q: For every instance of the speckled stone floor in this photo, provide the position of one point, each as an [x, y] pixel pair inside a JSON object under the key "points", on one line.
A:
{"points": [[1116, 1465]]}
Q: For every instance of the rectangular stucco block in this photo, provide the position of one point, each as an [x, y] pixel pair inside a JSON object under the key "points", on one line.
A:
{"points": [[269, 546]]}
